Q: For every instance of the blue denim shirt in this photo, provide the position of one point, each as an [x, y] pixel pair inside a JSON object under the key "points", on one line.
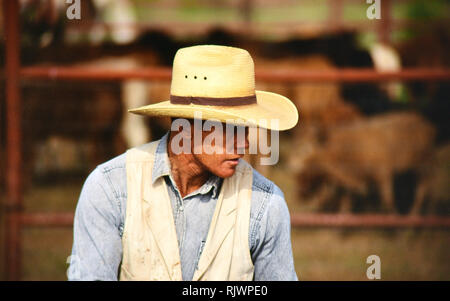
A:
{"points": [[100, 218]]}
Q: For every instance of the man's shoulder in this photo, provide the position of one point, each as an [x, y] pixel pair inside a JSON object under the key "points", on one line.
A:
{"points": [[260, 182], [111, 176], [266, 196], [113, 172], [118, 162]]}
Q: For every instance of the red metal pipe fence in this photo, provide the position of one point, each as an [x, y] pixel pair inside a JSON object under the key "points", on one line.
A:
{"points": [[16, 218], [13, 202], [297, 220], [363, 221], [160, 73]]}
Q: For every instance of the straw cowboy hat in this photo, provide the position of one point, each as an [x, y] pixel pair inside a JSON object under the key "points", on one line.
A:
{"points": [[218, 83]]}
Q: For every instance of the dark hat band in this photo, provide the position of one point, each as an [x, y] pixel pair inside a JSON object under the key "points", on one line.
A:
{"points": [[213, 101]]}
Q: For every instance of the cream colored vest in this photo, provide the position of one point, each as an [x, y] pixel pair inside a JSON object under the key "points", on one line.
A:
{"points": [[150, 246]]}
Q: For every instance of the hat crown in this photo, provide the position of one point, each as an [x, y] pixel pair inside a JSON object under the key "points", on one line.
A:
{"points": [[213, 71]]}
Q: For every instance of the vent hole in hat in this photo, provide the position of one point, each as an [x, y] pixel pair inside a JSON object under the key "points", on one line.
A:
{"points": [[204, 78], [195, 77], [185, 76]]}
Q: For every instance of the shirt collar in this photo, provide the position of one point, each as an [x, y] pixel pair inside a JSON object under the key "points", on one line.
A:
{"points": [[161, 167]]}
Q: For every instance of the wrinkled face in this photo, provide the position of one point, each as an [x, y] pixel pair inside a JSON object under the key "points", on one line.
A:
{"points": [[220, 150], [210, 146]]}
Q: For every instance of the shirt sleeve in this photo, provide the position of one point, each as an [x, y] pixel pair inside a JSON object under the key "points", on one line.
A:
{"points": [[272, 257], [97, 247]]}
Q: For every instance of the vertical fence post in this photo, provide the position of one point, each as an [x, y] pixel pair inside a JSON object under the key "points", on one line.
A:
{"points": [[336, 8], [13, 203], [246, 9], [385, 24]]}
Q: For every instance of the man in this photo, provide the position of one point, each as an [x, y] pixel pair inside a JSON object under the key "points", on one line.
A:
{"points": [[187, 207]]}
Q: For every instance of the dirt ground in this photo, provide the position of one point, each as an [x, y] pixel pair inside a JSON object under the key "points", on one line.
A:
{"points": [[320, 254]]}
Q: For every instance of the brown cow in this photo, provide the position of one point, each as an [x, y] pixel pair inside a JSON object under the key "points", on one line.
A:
{"points": [[433, 185], [369, 150]]}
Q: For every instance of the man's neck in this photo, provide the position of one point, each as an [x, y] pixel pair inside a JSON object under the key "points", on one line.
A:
{"points": [[188, 174]]}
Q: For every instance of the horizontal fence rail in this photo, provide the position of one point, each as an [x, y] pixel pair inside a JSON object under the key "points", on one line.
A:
{"points": [[281, 30], [297, 220], [158, 73], [51, 219], [368, 221], [15, 217]]}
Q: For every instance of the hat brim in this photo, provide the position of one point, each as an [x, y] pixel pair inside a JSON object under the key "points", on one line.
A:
{"points": [[272, 111]]}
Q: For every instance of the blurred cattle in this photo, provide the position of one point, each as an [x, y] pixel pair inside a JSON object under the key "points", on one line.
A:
{"points": [[362, 153], [46, 22], [134, 92], [341, 50], [87, 113], [320, 104], [95, 110], [433, 191], [431, 97], [81, 121]]}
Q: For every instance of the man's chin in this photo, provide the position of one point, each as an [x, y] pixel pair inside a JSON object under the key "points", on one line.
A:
{"points": [[226, 172]]}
